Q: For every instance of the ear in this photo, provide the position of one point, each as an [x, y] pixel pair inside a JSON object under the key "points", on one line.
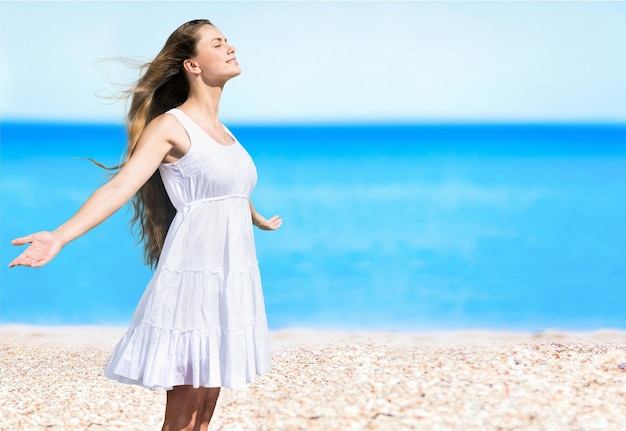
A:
{"points": [[191, 66]]}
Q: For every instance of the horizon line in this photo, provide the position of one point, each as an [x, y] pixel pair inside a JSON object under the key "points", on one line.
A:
{"points": [[346, 123]]}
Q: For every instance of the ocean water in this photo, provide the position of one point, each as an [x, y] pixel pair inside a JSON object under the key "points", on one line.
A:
{"points": [[415, 227]]}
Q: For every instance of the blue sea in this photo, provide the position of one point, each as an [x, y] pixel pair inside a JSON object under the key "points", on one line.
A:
{"points": [[386, 227]]}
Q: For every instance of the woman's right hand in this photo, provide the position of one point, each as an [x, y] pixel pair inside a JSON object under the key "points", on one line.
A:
{"points": [[42, 249]]}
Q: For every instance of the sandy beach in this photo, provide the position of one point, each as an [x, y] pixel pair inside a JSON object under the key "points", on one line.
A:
{"points": [[51, 379]]}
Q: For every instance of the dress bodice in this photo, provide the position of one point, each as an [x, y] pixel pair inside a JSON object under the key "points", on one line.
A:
{"points": [[209, 169]]}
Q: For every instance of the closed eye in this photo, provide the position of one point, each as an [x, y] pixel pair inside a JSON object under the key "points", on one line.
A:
{"points": [[219, 41]]}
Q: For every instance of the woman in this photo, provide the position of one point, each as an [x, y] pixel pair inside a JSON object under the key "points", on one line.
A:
{"points": [[201, 323]]}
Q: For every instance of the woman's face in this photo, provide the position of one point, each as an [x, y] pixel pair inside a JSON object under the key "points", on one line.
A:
{"points": [[215, 57]]}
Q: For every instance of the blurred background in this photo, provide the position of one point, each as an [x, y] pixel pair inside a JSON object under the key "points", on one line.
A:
{"points": [[438, 165]]}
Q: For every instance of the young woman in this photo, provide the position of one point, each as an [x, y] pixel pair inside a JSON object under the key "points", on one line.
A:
{"points": [[200, 324]]}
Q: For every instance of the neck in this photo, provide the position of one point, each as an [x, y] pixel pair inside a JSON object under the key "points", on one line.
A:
{"points": [[204, 102]]}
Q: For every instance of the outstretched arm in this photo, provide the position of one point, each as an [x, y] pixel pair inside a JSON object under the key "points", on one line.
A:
{"points": [[261, 222], [154, 144]]}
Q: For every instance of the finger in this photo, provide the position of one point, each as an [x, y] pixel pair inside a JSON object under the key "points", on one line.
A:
{"points": [[23, 240], [19, 261], [30, 261]]}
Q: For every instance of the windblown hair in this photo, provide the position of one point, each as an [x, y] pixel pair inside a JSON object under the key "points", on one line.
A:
{"points": [[162, 86]]}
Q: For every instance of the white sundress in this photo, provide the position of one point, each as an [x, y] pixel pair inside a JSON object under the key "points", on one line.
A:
{"points": [[201, 320]]}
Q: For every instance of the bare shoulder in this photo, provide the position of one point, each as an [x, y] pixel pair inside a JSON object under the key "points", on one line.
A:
{"points": [[166, 136], [166, 127]]}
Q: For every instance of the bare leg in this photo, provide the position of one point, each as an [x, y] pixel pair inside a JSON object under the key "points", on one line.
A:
{"points": [[189, 408], [210, 401]]}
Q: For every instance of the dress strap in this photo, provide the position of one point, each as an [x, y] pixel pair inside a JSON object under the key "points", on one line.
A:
{"points": [[183, 118]]}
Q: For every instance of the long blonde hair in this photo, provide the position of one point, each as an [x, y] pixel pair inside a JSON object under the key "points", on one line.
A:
{"points": [[162, 86]]}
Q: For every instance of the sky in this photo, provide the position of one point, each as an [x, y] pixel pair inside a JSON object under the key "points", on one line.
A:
{"points": [[330, 62]]}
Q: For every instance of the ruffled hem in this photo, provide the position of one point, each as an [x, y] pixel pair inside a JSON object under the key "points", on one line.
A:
{"points": [[161, 358]]}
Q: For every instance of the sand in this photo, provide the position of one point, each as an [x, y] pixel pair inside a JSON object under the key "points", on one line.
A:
{"points": [[51, 379]]}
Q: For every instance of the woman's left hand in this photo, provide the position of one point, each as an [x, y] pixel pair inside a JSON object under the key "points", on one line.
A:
{"points": [[261, 222], [269, 224]]}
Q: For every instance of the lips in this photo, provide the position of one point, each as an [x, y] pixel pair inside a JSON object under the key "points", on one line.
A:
{"points": [[232, 61]]}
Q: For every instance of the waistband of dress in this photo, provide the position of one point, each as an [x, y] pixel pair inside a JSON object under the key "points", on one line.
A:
{"points": [[213, 199]]}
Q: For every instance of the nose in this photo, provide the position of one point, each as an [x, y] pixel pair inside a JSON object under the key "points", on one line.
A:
{"points": [[231, 49]]}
